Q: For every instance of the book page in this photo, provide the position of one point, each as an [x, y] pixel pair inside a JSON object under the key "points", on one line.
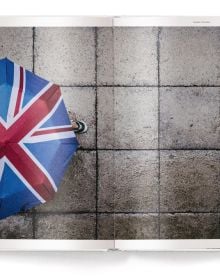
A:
{"points": [[166, 133], [76, 57]]}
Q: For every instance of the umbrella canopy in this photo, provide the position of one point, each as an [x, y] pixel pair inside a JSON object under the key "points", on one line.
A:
{"points": [[36, 139]]}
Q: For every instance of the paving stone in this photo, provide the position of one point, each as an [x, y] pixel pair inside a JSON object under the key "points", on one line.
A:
{"points": [[135, 55], [136, 118], [189, 56], [189, 226], [16, 43], [189, 181], [105, 56], [66, 55], [16, 227], [78, 189], [136, 226], [106, 226], [106, 181], [190, 117], [71, 226], [81, 101], [128, 181], [128, 118], [105, 123], [128, 226]]}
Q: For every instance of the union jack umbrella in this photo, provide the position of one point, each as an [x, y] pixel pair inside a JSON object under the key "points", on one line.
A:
{"points": [[36, 139]]}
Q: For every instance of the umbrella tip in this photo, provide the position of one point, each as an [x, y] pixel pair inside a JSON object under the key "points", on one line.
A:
{"points": [[79, 127]]}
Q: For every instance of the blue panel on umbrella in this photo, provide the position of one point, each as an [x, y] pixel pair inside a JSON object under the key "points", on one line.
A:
{"points": [[14, 195], [34, 84], [6, 80], [60, 117], [9, 71], [5, 94], [50, 152], [3, 76]]}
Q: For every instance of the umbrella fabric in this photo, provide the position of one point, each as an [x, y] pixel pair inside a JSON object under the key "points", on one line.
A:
{"points": [[36, 139]]}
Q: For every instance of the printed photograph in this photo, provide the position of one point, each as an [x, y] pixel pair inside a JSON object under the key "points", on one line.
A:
{"points": [[109, 133]]}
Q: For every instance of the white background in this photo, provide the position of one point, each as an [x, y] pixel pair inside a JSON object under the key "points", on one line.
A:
{"points": [[111, 265]]}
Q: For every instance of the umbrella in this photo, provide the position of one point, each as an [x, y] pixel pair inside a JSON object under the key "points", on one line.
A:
{"points": [[36, 139]]}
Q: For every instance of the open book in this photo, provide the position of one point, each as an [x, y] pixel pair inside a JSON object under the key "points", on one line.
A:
{"points": [[147, 172]]}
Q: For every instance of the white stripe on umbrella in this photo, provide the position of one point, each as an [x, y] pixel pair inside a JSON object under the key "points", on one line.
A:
{"points": [[14, 94]]}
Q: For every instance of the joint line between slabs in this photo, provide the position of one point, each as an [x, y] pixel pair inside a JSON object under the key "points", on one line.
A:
{"points": [[158, 76], [121, 213], [96, 130], [118, 150], [139, 86]]}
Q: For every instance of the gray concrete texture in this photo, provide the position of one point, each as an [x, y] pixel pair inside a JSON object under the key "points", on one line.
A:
{"points": [[130, 183], [135, 56], [105, 56], [66, 55], [17, 227], [189, 56], [149, 165], [128, 226], [190, 118], [189, 226], [66, 226], [121, 106], [189, 181], [17, 44]]}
